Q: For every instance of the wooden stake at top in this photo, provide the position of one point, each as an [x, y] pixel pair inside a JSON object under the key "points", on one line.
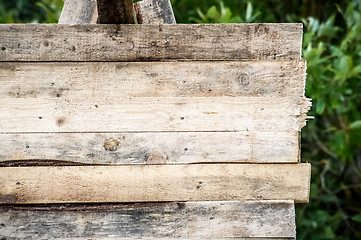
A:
{"points": [[115, 11]]}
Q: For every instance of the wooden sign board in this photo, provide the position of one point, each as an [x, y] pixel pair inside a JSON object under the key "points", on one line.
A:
{"points": [[199, 123]]}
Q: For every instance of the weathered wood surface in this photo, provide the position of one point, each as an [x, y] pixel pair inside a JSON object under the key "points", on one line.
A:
{"points": [[181, 220], [141, 42], [115, 11], [131, 148], [153, 79], [154, 183], [79, 12], [88, 113], [155, 12]]}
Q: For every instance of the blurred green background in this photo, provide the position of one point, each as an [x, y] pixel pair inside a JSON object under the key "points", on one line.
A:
{"points": [[332, 48]]}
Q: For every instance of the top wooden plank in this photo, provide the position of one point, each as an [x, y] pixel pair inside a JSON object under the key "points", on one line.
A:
{"points": [[95, 42]]}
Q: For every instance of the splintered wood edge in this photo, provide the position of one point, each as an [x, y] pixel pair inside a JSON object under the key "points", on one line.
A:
{"points": [[154, 183], [142, 42], [173, 220]]}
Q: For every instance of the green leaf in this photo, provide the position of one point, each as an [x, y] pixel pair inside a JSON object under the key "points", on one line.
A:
{"points": [[355, 124], [357, 218], [213, 13], [320, 106], [329, 234]]}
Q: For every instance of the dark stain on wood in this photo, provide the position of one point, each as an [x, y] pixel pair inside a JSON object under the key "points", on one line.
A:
{"points": [[40, 163], [60, 121], [111, 144], [8, 199]]}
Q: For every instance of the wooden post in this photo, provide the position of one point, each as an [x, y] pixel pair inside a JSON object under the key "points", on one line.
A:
{"points": [[115, 11], [146, 11], [79, 12]]}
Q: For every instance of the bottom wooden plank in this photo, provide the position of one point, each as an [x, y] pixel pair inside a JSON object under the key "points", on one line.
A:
{"points": [[154, 183], [175, 220]]}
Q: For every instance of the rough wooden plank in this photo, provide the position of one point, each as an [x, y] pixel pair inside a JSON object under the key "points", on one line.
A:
{"points": [[89, 113], [141, 42], [153, 79], [79, 12], [130, 148], [155, 12], [115, 11], [154, 183], [177, 220]]}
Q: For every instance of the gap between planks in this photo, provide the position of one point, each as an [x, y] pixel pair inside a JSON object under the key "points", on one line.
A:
{"points": [[154, 183]]}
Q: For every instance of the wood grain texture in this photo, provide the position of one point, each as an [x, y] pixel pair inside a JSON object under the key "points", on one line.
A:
{"points": [[142, 42], [102, 114], [154, 183], [153, 79], [135, 148], [176, 220], [79, 12], [155, 12]]}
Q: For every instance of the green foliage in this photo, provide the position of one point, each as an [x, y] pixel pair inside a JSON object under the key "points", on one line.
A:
{"points": [[332, 48], [224, 15], [30, 11], [332, 143]]}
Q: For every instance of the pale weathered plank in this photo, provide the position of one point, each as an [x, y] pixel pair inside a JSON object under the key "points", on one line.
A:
{"points": [[153, 79], [141, 42], [90, 113], [154, 183], [176, 220], [155, 12], [130, 148], [79, 12]]}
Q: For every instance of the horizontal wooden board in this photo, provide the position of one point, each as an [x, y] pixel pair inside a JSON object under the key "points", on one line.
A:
{"points": [[89, 113], [153, 79], [176, 220], [130, 148], [154, 183], [141, 42]]}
